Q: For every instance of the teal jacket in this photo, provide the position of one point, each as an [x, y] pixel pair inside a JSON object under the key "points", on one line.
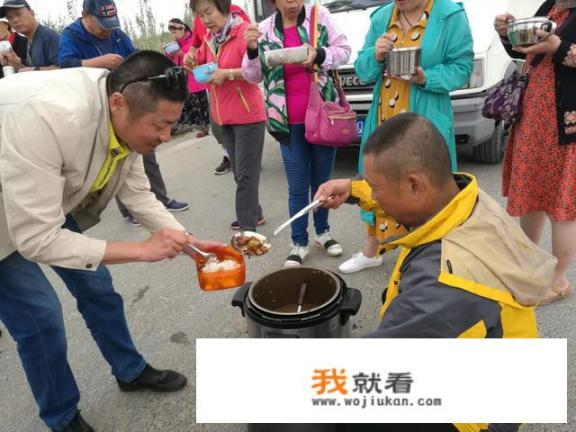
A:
{"points": [[447, 60]]}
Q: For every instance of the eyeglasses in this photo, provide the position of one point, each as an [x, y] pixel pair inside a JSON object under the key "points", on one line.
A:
{"points": [[175, 27], [172, 77]]}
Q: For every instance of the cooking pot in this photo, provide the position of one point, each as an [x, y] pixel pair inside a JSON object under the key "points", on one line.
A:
{"points": [[270, 304], [522, 32]]}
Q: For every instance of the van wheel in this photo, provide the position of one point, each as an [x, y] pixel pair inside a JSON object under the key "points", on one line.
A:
{"points": [[492, 150]]}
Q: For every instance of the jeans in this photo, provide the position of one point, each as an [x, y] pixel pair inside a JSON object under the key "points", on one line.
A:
{"points": [[30, 310], [307, 167], [152, 170], [245, 144]]}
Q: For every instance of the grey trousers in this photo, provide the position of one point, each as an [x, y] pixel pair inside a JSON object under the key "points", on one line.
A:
{"points": [[245, 144], [152, 170], [216, 131]]}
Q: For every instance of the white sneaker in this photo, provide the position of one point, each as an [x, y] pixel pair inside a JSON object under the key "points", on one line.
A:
{"points": [[297, 256], [332, 247], [358, 262]]}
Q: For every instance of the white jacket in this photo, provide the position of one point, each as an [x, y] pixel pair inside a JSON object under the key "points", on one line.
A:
{"points": [[54, 136]]}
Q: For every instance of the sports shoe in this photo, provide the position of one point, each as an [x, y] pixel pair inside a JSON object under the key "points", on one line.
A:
{"points": [[132, 221], [297, 256], [236, 225], [359, 262], [77, 424], [332, 247], [224, 166], [176, 206], [162, 381]]}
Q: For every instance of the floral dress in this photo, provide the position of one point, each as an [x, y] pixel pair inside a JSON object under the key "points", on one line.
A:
{"points": [[539, 174]]}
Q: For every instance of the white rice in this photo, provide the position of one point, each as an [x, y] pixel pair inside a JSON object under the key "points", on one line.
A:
{"points": [[216, 266]]}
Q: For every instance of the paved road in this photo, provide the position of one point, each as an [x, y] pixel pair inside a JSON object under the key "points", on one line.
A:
{"points": [[167, 311]]}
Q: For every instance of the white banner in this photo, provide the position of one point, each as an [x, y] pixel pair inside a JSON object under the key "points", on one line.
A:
{"points": [[381, 381]]}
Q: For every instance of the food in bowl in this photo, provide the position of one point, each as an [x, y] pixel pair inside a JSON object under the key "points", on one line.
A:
{"points": [[250, 244], [226, 270], [216, 266], [286, 56]]}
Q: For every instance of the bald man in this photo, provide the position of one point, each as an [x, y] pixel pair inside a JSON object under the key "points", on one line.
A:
{"points": [[464, 262], [465, 269]]}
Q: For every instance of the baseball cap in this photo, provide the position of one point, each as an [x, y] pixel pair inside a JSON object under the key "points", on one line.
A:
{"points": [[13, 4], [104, 11]]}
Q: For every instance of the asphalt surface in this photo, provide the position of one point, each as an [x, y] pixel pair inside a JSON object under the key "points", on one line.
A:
{"points": [[167, 311]]}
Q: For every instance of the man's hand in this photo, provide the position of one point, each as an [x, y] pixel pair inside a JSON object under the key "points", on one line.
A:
{"points": [[549, 44], [501, 24], [107, 61], [384, 45], [166, 243], [251, 36], [218, 77], [13, 60], [339, 188]]}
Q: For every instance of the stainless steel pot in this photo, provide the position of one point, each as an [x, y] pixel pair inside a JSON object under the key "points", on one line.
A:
{"points": [[270, 304], [403, 61], [523, 32]]}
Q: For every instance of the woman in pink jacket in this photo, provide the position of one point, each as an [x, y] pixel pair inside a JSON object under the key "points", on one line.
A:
{"points": [[196, 110], [236, 105]]}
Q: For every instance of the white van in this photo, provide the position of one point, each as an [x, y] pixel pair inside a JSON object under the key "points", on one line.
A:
{"points": [[491, 65]]}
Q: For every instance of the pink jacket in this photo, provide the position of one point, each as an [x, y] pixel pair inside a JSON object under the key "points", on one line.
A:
{"points": [[233, 102], [185, 45]]}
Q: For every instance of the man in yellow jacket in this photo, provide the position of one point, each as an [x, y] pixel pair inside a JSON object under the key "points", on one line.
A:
{"points": [[465, 268]]}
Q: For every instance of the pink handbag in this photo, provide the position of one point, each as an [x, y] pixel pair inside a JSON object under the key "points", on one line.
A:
{"points": [[331, 124]]}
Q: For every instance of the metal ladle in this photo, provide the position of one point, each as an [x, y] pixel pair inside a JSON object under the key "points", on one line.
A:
{"points": [[301, 296], [208, 256]]}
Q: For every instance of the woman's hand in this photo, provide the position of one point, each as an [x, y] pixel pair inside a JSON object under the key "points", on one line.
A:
{"points": [[218, 77], [570, 59], [384, 44], [549, 44], [190, 58], [501, 24], [312, 53], [419, 77], [251, 36]]}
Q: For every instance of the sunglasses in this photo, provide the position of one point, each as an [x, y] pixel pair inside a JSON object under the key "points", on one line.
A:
{"points": [[175, 27], [172, 77]]}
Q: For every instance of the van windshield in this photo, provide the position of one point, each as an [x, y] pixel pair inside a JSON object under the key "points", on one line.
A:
{"points": [[344, 5]]}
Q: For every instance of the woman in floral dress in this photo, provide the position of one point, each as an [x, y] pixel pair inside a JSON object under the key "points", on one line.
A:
{"points": [[539, 173]]}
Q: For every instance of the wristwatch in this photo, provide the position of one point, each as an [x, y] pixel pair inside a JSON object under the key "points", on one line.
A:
{"points": [[231, 75]]}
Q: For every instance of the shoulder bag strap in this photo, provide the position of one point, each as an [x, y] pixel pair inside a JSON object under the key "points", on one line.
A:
{"points": [[314, 34]]}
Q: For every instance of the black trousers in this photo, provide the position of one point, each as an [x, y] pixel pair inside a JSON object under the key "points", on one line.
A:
{"points": [[152, 170]]}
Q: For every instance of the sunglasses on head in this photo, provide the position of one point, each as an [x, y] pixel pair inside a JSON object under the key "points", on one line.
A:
{"points": [[175, 27], [172, 77]]}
